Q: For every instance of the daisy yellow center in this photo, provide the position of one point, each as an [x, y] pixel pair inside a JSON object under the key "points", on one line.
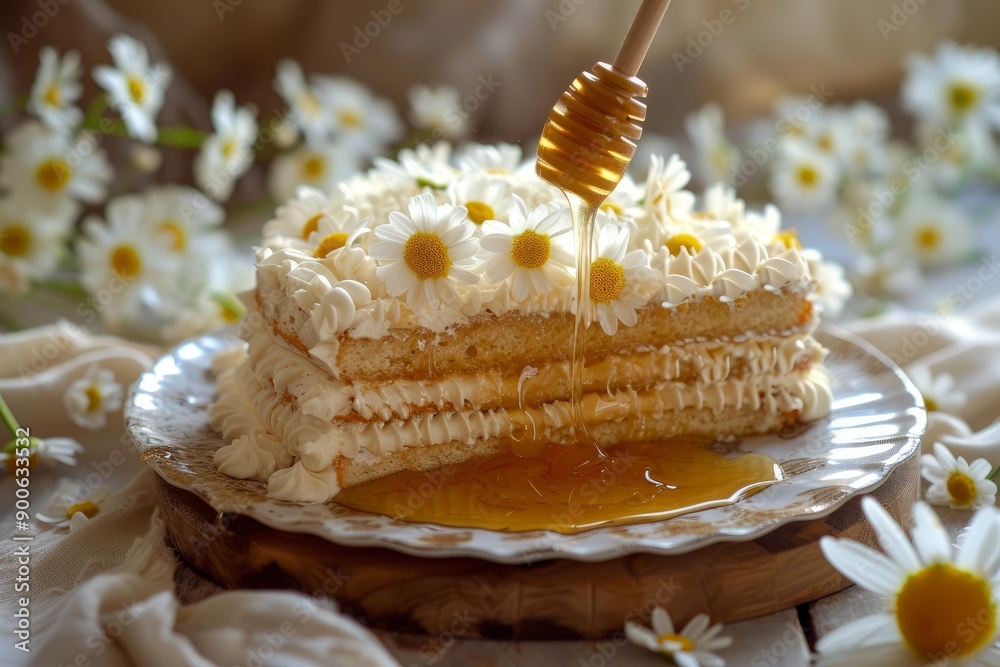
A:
{"points": [[330, 243], [125, 262], [53, 174], [789, 238], [228, 148], [961, 488], [12, 466], [480, 212], [93, 394], [52, 97], [530, 249], [427, 256], [310, 104], [721, 158], [678, 241], [825, 143], [942, 610], [607, 280], [611, 207], [313, 166], [928, 237], [350, 119], [685, 643], [174, 229], [15, 241], [808, 176], [962, 97], [137, 89], [88, 508], [930, 404], [312, 225]]}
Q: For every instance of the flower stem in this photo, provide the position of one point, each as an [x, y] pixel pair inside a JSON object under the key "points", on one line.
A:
{"points": [[178, 137], [8, 419], [69, 289], [9, 323]]}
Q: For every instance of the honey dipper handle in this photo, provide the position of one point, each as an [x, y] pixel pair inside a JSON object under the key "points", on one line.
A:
{"points": [[640, 35]]}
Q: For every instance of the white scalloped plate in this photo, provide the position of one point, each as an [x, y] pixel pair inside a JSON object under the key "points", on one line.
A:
{"points": [[876, 423]]}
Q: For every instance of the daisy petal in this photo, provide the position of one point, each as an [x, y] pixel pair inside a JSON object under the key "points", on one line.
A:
{"points": [[661, 622], [695, 627], [979, 551], [869, 631], [641, 636], [929, 535], [862, 565], [890, 536]]}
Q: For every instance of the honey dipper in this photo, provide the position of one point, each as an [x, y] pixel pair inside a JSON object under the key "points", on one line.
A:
{"points": [[589, 138]]}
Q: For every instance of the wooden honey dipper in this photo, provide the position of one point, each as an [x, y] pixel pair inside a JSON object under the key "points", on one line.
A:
{"points": [[589, 138]]}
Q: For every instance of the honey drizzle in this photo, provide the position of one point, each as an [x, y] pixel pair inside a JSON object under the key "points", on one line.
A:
{"points": [[570, 487]]}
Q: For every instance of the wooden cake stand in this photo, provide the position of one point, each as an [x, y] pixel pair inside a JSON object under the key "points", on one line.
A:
{"points": [[549, 599]]}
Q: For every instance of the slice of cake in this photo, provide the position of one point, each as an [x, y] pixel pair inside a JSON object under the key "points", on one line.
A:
{"points": [[422, 315]]}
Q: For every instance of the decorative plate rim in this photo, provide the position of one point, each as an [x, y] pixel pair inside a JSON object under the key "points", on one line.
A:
{"points": [[190, 361]]}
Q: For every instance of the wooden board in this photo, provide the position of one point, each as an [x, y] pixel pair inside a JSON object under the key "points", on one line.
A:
{"points": [[551, 599]]}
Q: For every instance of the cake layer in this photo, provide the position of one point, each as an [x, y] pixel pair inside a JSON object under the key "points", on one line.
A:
{"points": [[316, 393], [507, 343], [268, 433]]}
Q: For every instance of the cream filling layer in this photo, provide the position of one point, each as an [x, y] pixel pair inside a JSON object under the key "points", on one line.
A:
{"points": [[319, 395], [256, 421]]}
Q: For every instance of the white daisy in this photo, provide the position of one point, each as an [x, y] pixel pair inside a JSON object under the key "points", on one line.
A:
{"points": [[31, 243], [296, 219], [934, 230], [306, 109], [501, 159], [180, 216], [804, 178], [939, 391], [940, 605], [716, 158], [957, 84], [535, 250], [438, 109], [890, 273], [227, 154], [620, 282], [136, 87], [693, 646], [338, 230], [832, 288], [71, 507], [89, 399], [623, 199], [209, 310], [365, 123], [665, 199], [41, 450], [485, 197], [956, 483], [427, 165], [865, 149], [125, 265], [721, 203], [427, 254], [320, 166], [56, 90], [53, 169]]}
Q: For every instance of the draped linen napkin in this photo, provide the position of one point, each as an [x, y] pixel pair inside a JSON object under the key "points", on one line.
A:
{"points": [[105, 594]]}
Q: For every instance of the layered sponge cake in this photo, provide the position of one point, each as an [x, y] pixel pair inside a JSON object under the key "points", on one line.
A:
{"points": [[422, 315]]}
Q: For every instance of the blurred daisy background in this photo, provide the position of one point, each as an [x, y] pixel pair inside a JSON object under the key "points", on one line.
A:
{"points": [[144, 145]]}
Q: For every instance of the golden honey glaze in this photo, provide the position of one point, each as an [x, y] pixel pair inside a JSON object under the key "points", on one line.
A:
{"points": [[569, 488]]}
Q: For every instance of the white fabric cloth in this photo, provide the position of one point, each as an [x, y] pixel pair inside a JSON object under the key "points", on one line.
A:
{"points": [[106, 591], [104, 595]]}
